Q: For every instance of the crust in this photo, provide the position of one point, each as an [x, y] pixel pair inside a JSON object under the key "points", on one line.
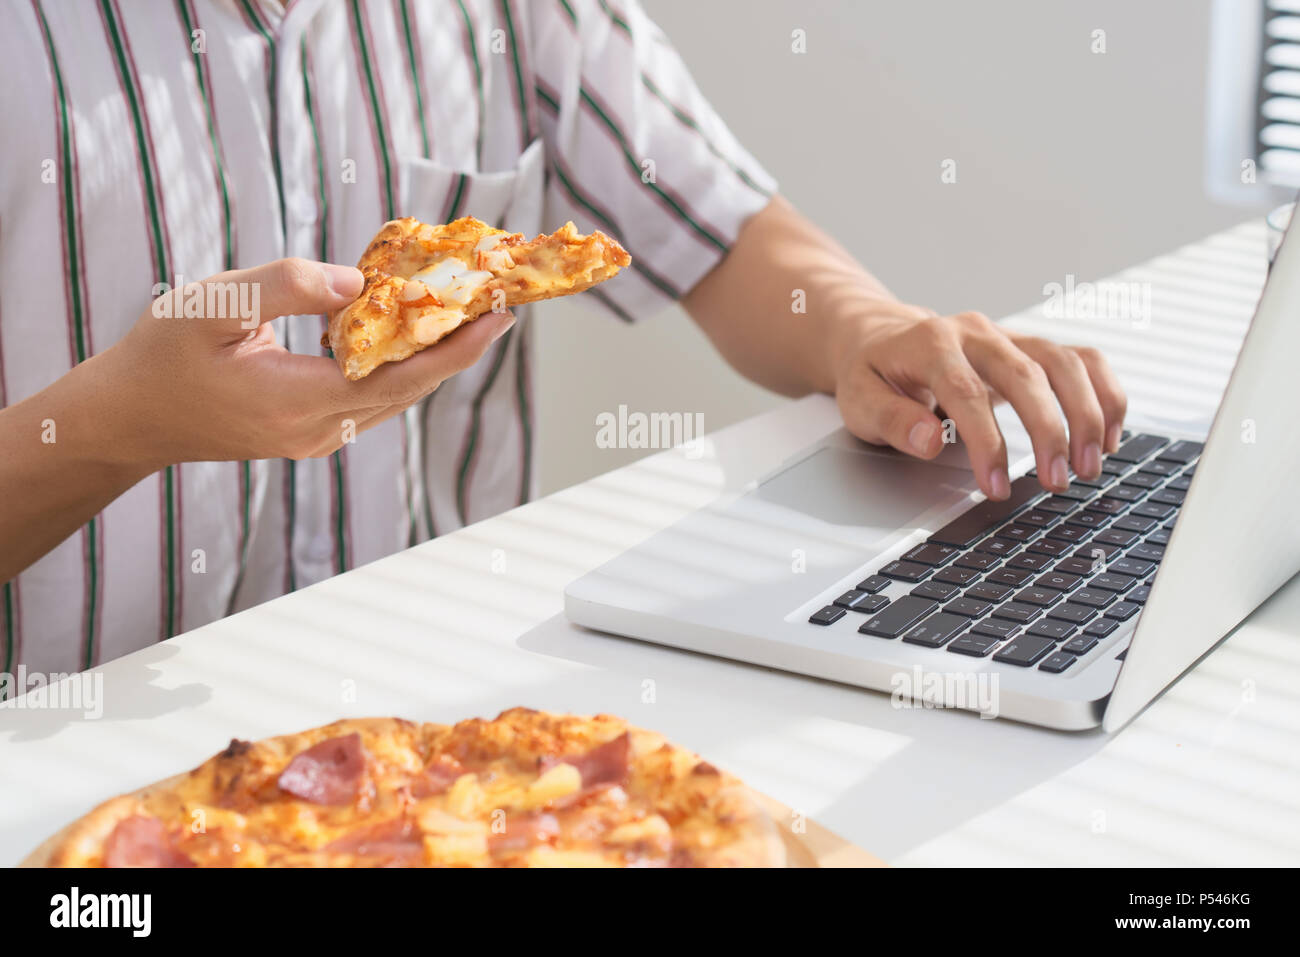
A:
{"points": [[720, 820], [375, 328]]}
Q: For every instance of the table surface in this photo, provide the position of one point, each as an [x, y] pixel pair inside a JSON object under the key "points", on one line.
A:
{"points": [[471, 623]]}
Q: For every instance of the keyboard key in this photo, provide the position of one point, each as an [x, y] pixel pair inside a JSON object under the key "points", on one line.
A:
{"points": [[1159, 537], [1074, 614], [1055, 630], [995, 628], [905, 571], [898, 617], [967, 607], [1189, 471], [1169, 496], [1015, 577], [936, 630], [957, 576], [1143, 480], [987, 591], [977, 646], [1024, 651], [1138, 448], [1181, 452], [1077, 493], [1058, 506], [1123, 611], [1135, 523], [1081, 645], [1061, 581], [1057, 662], [1131, 566], [1093, 597], [1108, 506], [1147, 553], [1115, 536], [980, 561], [1101, 481], [1038, 518], [1126, 493], [1110, 466], [1089, 519], [1014, 611], [1050, 546], [826, 616], [1016, 532], [1115, 583], [871, 604], [1030, 561], [998, 546], [935, 591], [1069, 533], [973, 524], [1074, 566], [1101, 627], [1042, 597], [850, 598], [1152, 510], [1181, 484], [931, 553], [1156, 467], [875, 583], [1098, 551]]}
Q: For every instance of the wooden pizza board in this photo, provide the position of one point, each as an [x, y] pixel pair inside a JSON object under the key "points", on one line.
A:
{"points": [[813, 845]]}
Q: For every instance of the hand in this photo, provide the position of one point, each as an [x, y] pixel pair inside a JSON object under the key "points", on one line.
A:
{"points": [[218, 388], [894, 368]]}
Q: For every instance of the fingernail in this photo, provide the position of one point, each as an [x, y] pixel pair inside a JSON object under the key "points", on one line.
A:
{"points": [[1112, 437], [1060, 472], [508, 321], [1000, 484], [344, 281], [920, 436], [1092, 460]]}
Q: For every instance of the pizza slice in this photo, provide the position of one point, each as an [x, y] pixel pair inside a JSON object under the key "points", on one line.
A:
{"points": [[424, 281]]}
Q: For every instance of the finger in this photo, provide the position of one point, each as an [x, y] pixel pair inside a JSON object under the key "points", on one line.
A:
{"points": [[240, 300], [1069, 379], [1110, 394], [1023, 383], [402, 383], [964, 396], [879, 413]]}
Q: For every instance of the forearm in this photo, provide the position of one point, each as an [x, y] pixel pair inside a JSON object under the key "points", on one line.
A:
{"points": [[783, 302], [69, 450]]}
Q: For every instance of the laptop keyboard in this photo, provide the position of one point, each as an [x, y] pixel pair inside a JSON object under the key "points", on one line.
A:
{"points": [[1041, 578]]}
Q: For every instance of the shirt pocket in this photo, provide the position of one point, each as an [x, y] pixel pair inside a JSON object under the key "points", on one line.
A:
{"points": [[509, 199]]}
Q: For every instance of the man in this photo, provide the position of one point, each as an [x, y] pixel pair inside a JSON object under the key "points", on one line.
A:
{"points": [[160, 472]]}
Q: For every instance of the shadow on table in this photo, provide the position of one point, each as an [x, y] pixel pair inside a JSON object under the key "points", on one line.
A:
{"points": [[125, 688], [928, 770]]}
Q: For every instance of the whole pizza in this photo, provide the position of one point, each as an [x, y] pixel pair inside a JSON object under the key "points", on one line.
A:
{"points": [[527, 789]]}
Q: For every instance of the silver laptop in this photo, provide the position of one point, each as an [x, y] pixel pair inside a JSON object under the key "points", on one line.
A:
{"points": [[860, 565]]}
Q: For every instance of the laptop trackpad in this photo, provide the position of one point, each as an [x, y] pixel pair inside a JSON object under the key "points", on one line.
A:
{"points": [[882, 490]]}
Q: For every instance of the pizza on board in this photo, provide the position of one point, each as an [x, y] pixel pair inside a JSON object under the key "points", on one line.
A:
{"points": [[527, 789], [422, 281]]}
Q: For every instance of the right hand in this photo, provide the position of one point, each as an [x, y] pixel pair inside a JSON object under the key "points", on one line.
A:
{"points": [[220, 388]]}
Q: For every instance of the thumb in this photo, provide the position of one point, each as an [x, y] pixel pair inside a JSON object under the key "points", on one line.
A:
{"points": [[243, 299], [875, 412]]}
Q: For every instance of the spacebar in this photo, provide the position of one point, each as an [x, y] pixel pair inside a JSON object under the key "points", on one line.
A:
{"points": [[969, 527]]}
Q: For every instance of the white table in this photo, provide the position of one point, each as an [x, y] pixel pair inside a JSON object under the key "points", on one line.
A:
{"points": [[471, 624]]}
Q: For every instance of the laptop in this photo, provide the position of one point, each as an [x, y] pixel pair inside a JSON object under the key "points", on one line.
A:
{"points": [[861, 565]]}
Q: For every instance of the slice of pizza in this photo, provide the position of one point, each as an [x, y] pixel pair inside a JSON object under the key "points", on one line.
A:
{"points": [[423, 281], [526, 789]]}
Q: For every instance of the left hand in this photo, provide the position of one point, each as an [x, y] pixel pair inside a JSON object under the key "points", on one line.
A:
{"points": [[895, 367]]}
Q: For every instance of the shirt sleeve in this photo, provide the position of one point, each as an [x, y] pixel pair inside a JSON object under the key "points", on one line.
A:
{"points": [[635, 150]]}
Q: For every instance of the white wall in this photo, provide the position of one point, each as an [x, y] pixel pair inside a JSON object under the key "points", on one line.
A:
{"points": [[1067, 162]]}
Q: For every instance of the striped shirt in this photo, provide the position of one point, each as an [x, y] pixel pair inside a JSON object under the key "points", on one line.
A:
{"points": [[150, 139]]}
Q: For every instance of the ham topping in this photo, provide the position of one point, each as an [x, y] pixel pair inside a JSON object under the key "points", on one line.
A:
{"points": [[327, 773]]}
